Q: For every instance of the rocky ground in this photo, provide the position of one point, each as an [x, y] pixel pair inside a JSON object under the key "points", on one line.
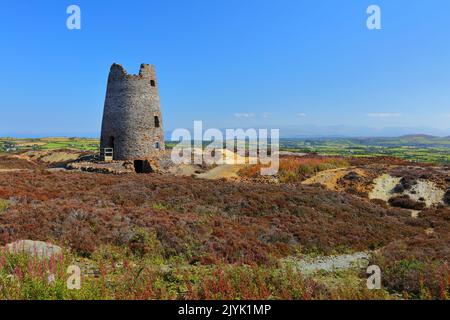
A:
{"points": [[409, 187]]}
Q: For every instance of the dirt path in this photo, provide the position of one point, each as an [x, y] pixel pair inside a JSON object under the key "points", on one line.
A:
{"points": [[49, 156], [183, 170], [329, 178], [222, 171], [11, 170]]}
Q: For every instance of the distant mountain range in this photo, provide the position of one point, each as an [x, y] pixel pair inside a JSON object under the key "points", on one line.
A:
{"points": [[312, 131], [356, 131]]}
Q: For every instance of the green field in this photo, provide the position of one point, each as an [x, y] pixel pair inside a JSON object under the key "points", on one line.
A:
{"points": [[412, 148], [16, 145], [418, 148]]}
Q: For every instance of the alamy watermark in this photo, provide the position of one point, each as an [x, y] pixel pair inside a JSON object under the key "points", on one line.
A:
{"points": [[73, 22], [373, 22], [374, 278], [73, 281], [374, 19], [236, 146]]}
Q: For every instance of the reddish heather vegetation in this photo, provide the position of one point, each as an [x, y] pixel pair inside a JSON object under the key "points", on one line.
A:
{"points": [[213, 222], [419, 264], [295, 169], [207, 219], [7, 163], [359, 161]]}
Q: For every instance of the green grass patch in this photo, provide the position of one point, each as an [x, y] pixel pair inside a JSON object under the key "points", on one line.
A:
{"points": [[4, 204]]}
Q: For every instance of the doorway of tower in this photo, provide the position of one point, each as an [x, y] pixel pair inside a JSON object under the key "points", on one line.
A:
{"points": [[111, 142], [142, 166]]}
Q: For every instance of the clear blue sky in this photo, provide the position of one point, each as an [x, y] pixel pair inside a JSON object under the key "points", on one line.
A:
{"points": [[230, 63]]}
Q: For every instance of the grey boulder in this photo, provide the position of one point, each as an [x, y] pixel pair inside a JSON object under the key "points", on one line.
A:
{"points": [[32, 248]]}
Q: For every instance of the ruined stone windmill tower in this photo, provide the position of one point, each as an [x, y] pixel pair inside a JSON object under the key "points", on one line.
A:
{"points": [[132, 123]]}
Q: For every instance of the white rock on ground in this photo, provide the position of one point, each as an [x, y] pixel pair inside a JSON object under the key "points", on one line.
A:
{"points": [[428, 190], [383, 186], [308, 265], [32, 248]]}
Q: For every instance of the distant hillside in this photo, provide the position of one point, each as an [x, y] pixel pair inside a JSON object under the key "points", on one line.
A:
{"points": [[419, 147], [418, 140]]}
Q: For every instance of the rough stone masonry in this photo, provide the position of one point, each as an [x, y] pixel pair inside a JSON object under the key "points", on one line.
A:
{"points": [[132, 121]]}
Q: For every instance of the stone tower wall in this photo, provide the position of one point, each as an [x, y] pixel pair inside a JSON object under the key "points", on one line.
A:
{"points": [[131, 105]]}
